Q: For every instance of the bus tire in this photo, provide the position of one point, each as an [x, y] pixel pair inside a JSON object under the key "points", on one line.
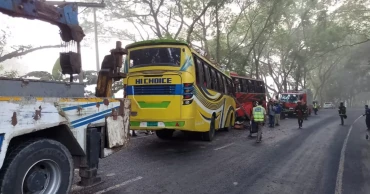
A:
{"points": [[37, 166], [164, 133], [209, 135]]}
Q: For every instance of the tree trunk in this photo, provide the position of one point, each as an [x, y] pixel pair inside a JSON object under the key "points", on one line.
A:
{"points": [[218, 35]]}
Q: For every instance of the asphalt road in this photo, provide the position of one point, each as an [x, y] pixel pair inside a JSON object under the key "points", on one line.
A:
{"points": [[323, 157]]}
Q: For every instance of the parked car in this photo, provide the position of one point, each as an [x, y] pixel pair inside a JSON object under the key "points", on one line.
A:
{"points": [[328, 105]]}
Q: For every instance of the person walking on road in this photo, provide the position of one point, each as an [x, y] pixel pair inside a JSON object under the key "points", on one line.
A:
{"points": [[305, 110], [315, 108], [271, 112], [367, 114], [342, 112], [299, 112], [258, 116], [278, 110]]}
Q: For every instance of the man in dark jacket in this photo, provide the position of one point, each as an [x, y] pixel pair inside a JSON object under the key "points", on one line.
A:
{"points": [[305, 110], [342, 112], [299, 112], [367, 114]]}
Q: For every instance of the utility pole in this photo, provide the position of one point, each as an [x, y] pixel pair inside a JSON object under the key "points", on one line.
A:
{"points": [[96, 42], [94, 6]]}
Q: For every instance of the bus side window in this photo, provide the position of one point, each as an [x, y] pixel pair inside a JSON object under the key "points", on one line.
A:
{"points": [[230, 86], [249, 85], [252, 86], [214, 79], [220, 82], [239, 85], [244, 85], [262, 87], [198, 70], [225, 85], [207, 76], [258, 87]]}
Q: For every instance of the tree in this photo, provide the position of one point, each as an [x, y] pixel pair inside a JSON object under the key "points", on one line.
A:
{"points": [[16, 50]]}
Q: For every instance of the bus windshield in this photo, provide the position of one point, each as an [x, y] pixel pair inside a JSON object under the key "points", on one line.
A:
{"points": [[157, 56], [292, 98]]}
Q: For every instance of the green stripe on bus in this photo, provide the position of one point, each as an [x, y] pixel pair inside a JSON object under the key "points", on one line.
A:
{"points": [[163, 104], [134, 123]]}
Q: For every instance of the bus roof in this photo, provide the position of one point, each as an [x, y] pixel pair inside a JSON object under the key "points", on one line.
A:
{"points": [[243, 77], [157, 42]]}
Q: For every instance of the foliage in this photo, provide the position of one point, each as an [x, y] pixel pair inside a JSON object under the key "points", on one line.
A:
{"points": [[297, 44]]}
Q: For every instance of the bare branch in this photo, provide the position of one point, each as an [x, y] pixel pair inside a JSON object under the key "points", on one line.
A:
{"points": [[21, 52]]}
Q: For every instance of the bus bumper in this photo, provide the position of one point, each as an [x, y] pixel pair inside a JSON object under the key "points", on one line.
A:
{"points": [[180, 124]]}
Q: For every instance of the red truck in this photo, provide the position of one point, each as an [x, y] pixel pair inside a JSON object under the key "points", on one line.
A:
{"points": [[289, 101]]}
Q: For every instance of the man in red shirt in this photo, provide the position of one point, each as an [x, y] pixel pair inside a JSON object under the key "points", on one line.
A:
{"points": [[299, 110]]}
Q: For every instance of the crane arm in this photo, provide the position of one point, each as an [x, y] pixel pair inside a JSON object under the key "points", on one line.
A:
{"points": [[64, 16]]}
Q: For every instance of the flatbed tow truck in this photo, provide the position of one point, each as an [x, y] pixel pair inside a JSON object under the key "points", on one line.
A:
{"points": [[48, 129]]}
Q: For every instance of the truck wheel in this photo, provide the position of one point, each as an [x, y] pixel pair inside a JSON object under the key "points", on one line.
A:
{"points": [[164, 133], [209, 135], [38, 166]]}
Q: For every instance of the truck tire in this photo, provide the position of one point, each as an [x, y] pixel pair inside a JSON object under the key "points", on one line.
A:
{"points": [[40, 166]]}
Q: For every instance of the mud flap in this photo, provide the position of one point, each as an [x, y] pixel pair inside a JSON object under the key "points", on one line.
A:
{"points": [[89, 164]]}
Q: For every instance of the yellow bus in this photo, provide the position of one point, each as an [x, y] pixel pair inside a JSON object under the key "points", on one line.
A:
{"points": [[172, 87]]}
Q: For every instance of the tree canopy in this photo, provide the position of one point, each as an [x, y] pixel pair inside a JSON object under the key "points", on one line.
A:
{"points": [[317, 44]]}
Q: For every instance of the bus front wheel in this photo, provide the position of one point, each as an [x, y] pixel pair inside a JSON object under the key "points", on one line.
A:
{"points": [[164, 133], [209, 135]]}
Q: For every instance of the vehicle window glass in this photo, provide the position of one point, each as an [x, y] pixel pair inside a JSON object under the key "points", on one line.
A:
{"points": [[263, 87], [259, 86], [252, 86], [229, 86], [225, 85], [207, 77], [238, 84], [292, 98], [155, 57], [244, 85], [198, 70], [214, 79], [220, 82]]}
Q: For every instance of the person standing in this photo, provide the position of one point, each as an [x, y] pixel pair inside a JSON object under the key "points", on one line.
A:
{"points": [[305, 110], [258, 116], [271, 112], [342, 112], [278, 110], [367, 114], [253, 125], [299, 112], [315, 108]]}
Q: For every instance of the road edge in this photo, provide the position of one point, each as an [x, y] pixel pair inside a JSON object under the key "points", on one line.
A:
{"points": [[338, 185]]}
